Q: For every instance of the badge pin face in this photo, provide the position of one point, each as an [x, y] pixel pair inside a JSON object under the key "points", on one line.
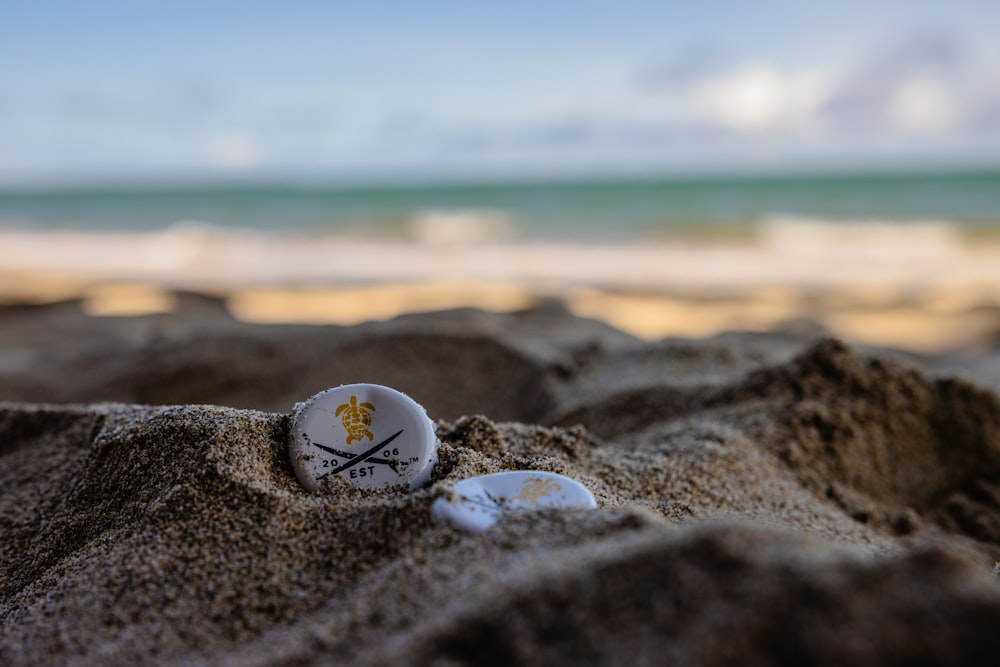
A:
{"points": [[476, 503], [368, 434]]}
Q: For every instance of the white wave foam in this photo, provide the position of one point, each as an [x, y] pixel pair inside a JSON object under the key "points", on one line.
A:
{"points": [[872, 240], [804, 253], [462, 226]]}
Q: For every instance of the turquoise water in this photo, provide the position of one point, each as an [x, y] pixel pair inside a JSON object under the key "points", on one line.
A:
{"points": [[595, 209]]}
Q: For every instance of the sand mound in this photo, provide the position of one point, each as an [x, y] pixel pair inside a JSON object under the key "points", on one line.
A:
{"points": [[880, 439], [459, 362], [878, 435], [760, 502], [716, 595]]}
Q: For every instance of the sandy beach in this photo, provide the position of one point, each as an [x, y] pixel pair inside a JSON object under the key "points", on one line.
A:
{"points": [[926, 287], [763, 498]]}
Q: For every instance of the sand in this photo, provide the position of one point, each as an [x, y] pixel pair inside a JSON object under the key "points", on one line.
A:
{"points": [[926, 286], [780, 498]]}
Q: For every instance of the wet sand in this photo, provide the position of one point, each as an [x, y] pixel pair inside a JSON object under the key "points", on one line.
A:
{"points": [[764, 498], [926, 287]]}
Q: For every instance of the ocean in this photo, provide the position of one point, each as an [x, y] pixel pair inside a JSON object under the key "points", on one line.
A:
{"points": [[582, 210]]}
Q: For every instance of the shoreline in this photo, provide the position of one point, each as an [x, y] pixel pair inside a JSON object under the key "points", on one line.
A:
{"points": [[920, 287], [930, 321], [786, 251]]}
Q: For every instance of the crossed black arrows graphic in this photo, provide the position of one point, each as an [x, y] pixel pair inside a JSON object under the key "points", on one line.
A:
{"points": [[355, 459]]}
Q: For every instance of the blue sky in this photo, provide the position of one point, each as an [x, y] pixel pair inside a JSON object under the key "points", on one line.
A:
{"points": [[105, 91]]}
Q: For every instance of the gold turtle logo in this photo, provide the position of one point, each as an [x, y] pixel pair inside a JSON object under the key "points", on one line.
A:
{"points": [[535, 488], [356, 419]]}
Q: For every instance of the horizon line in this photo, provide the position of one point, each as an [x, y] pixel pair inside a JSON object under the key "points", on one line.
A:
{"points": [[443, 178]]}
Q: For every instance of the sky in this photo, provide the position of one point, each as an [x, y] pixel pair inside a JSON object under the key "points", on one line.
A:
{"points": [[109, 91]]}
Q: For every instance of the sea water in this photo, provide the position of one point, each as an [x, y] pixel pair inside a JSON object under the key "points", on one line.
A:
{"points": [[583, 210]]}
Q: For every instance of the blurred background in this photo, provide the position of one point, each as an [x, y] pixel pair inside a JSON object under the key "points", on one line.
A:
{"points": [[671, 168]]}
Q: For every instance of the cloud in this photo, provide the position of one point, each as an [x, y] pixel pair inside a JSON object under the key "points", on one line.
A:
{"points": [[921, 103], [758, 97], [923, 92], [920, 85], [924, 89], [693, 64], [176, 103], [985, 115], [234, 152]]}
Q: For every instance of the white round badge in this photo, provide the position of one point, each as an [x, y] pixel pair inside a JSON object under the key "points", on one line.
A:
{"points": [[368, 434], [476, 503]]}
